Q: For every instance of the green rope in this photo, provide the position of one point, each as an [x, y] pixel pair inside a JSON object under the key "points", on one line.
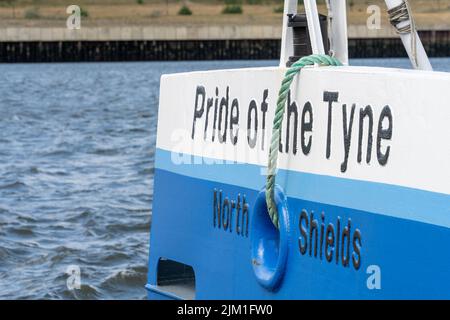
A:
{"points": [[319, 59]]}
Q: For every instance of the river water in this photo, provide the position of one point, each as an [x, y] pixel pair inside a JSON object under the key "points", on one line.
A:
{"points": [[76, 174]]}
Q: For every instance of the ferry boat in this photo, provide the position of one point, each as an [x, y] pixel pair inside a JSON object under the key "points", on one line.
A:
{"points": [[336, 186]]}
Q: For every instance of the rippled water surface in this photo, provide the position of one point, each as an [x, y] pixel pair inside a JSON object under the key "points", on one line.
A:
{"points": [[76, 170]]}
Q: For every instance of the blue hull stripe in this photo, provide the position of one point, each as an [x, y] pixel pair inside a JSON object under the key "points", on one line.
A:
{"points": [[391, 200], [413, 257]]}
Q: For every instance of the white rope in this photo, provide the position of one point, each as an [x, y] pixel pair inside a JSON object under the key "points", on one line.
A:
{"points": [[402, 13]]}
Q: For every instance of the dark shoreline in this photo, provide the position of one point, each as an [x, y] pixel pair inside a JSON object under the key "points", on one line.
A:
{"points": [[437, 44]]}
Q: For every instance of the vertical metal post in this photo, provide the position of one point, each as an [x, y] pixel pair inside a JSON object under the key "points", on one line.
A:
{"points": [[337, 34], [417, 55], [315, 33], [290, 7], [337, 17]]}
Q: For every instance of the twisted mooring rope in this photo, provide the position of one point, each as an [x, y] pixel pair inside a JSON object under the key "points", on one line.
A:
{"points": [[322, 60]]}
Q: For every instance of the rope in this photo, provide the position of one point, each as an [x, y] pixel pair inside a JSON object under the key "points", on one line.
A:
{"points": [[402, 13], [322, 60]]}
